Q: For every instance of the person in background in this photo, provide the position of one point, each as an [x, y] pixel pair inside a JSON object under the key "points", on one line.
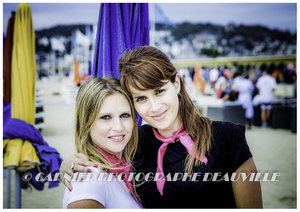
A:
{"points": [[245, 88], [229, 94], [199, 82], [223, 84], [213, 77], [266, 86]]}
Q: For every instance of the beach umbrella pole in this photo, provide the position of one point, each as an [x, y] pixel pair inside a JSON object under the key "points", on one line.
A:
{"points": [[18, 190], [7, 176]]}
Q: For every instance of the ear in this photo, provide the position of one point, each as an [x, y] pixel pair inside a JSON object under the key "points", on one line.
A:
{"points": [[177, 83]]}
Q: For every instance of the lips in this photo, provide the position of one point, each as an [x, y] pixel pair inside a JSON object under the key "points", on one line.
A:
{"points": [[159, 116], [117, 138]]}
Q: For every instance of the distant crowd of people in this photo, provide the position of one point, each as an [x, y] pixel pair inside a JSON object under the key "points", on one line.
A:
{"points": [[248, 86]]}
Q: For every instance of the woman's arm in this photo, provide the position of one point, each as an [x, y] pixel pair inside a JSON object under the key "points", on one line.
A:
{"points": [[86, 203], [81, 164], [247, 194]]}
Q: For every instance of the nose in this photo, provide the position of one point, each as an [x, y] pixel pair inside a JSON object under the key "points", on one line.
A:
{"points": [[117, 124], [154, 105]]}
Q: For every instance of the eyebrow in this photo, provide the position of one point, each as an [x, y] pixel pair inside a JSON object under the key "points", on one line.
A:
{"points": [[134, 96]]}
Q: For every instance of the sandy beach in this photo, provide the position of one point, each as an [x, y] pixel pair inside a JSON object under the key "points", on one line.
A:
{"points": [[273, 151]]}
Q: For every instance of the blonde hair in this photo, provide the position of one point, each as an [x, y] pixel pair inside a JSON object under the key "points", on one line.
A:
{"points": [[148, 68], [89, 99]]}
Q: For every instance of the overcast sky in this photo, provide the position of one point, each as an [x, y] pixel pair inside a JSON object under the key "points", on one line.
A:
{"points": [[274, 15]]}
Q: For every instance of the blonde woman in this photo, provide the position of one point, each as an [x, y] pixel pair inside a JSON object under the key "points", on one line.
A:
{"points": [[105, 131]]}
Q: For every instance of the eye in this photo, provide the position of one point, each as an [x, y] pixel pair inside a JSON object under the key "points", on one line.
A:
{"points": [[160, 91], [125, 115], [105, 117], [140, 99]]}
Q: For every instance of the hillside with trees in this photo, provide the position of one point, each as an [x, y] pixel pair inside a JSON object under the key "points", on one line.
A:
{"points": [[191, 40], [209, 40]]}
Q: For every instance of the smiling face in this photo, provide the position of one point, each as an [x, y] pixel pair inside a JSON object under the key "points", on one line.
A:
{"points": [[159, 107], [112, 128]]}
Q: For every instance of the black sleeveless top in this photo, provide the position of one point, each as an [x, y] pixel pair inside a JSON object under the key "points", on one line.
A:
{"points": [[229, 150]]}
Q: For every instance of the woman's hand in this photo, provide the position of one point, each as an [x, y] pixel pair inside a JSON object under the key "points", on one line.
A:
{"points": [[80, 164]]}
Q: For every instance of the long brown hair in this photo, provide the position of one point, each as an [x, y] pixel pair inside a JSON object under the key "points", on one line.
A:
{"points": [[148, 68]]}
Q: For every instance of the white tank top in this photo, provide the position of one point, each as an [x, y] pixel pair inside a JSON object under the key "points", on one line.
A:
{"points": [[110, 193]]}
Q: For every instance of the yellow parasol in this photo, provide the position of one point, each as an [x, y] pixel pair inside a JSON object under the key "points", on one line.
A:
{"points": [[21, 154]]}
